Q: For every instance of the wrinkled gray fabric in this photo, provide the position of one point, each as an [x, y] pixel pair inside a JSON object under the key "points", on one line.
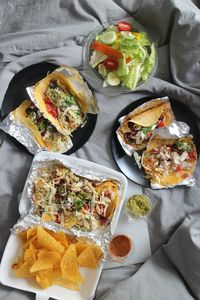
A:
{"points": [[55, 31]]}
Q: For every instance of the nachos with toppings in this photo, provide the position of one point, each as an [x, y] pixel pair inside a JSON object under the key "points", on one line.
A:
{"points": [[73, 201]]}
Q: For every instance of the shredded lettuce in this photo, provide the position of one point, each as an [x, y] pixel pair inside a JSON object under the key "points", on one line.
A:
{"points": [[148, 63]]}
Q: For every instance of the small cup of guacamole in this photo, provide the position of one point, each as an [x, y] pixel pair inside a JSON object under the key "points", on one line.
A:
{"points": [[138, 206]]}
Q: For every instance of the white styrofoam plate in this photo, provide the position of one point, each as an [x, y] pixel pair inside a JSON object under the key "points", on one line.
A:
{"points": [[13, 247]]}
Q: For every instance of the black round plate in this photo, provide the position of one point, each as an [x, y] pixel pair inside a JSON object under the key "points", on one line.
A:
{"points": [[16, 93], [126, 163]]}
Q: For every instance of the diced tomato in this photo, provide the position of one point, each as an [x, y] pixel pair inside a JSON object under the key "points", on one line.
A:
{"points": [[149, 133], [86, 206], [101, 209], [192, 155], [124, 26], [160, 124], [107, 50], [51, 108], [110, 64], [103, 221], [128, 59], [155, 151], [179, 168], [107, 194]]}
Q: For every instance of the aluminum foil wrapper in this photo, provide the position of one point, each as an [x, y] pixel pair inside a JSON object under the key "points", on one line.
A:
{"points": [[175, 131], [23, 135], [76, 80], [101, 236], [20, 132], [127, 148]]}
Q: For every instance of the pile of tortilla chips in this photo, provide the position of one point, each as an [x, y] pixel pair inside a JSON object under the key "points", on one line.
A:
{"points": [[54, 258]]}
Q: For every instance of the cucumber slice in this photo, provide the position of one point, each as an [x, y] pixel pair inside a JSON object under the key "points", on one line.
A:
{"points": [[108, 37], [113, 79]]}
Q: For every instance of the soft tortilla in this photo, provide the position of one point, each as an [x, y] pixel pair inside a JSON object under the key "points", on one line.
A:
{"points": [[111, 186], [149, 113], [172, 178], [40, 89], [20, 115]]}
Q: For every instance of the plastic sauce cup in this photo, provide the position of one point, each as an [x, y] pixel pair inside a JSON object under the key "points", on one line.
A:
{"points": [[120, 247]]}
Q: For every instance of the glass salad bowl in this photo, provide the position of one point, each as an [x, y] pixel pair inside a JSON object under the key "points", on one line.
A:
{"points": [[119, 57]]}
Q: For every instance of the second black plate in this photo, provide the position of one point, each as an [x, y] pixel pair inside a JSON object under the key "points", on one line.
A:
{"points": [[126, 163], [16, 93]]}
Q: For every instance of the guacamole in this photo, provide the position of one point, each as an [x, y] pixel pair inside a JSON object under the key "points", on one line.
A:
{"points": [[138, 205]]}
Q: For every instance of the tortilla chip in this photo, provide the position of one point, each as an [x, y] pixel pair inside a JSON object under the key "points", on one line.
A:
{"points": [[80, 246], [45, 240], [97, 251], [60, 237], [44, 278], [31, 232], [58, 280], [46, 260], [69, 265], [87, 258]]}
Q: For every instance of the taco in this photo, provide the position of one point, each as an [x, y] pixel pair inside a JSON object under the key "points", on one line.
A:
{"points": [[137, 127], [60, 103], [44, 133], [168, 162], [74, 201]]}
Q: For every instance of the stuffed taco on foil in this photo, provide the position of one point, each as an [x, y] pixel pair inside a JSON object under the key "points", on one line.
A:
{"points": [[61, 196], [60, 102], [137, 127], [168, 162], [43, 132]]}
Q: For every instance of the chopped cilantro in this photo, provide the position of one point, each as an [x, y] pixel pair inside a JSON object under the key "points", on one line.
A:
{"points": [[145, 130], [42, 126], [78, 204], [181, 145], [32, 116]]}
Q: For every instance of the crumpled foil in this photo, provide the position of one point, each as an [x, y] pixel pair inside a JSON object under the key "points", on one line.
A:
{"points": [[175, 131], [100, 236], [127, 148], [23, 135], [76, 80]]}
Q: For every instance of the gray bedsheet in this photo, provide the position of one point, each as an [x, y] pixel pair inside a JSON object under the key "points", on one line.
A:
{"points": [[55, 31]]}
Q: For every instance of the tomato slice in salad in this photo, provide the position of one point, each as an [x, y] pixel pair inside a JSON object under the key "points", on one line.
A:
{"points": [[51, 108], [110, 64], [107, 50], [124, 26]]}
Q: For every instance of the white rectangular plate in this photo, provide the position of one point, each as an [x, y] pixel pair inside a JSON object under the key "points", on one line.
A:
{"points": [[13, 247]]}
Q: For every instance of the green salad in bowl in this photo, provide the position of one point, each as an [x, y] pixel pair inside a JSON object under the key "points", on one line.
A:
{"points": [[122, 55]]}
